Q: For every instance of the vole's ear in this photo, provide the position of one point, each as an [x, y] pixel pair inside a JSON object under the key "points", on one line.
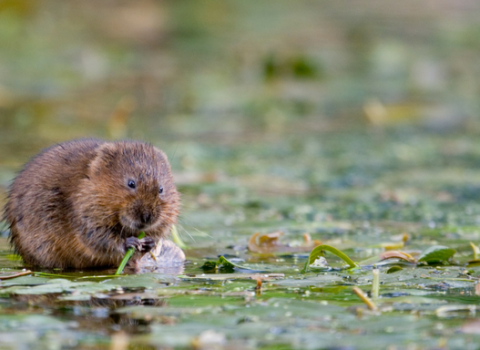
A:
{"points": [[162, 159], [105, 158], [160, 155]]}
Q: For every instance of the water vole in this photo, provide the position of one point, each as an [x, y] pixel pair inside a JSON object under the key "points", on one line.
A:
{"points": [[83, 203]]}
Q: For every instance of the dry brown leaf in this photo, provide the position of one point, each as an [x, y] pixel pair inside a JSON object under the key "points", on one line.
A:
{"points": [[395, 254], [269, 243]]}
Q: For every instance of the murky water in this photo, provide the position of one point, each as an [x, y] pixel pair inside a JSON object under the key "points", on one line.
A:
{"points": [[357, 125]]}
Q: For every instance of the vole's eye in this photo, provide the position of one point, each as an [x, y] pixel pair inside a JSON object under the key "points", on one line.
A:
{"points": [[131, 184], [160, 190]]}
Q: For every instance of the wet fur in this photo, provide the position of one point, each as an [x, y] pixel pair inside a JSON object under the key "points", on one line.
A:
{"points": [[71, 206]]}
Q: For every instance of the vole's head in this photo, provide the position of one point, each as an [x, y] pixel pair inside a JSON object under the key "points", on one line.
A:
{"points": [[133, 187]]}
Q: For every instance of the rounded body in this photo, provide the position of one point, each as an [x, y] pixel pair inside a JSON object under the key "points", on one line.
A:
{"points": [[76, 203]]}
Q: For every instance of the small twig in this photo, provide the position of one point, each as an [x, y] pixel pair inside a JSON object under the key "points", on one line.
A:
{"points": [[259, 284], [153, 256], [96, 277], [23, 273], [375, 283], [258, 287], [371, 305], [46, 274]]}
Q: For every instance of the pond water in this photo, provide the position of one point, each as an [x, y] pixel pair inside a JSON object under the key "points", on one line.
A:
{"points": [[357, 125]]}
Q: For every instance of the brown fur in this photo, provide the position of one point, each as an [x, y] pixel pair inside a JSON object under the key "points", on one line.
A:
{"points": [[71, 205]]}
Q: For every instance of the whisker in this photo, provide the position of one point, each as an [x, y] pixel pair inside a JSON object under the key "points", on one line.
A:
{"points": [[203, 232], [188, 233]]}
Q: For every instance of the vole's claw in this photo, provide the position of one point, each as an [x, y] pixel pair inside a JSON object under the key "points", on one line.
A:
{"points": [[133, 242], [148, 243], [143, 245]]}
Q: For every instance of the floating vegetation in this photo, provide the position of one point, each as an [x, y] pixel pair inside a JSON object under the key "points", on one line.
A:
{"points": [[437, 254], [328, 160]]}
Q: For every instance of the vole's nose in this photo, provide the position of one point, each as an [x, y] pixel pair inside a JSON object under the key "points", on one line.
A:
{"points": [[146, 218]]}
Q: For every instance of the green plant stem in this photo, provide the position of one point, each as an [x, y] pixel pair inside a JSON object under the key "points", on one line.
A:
{"points": [[476, 251], [176, 238], [46, 274], [318, 251], [127, 256]]}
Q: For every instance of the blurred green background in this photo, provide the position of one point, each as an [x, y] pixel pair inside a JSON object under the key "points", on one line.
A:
{"points": [[280, 97]]}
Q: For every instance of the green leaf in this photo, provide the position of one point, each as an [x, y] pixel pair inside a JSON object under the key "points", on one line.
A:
{"points": [[394, 269], [224, 264], [318, 251], [436, 253], [209, 266], [228, 264]]}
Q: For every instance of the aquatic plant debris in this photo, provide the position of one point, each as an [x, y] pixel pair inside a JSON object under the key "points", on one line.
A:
{"points": [[476, 251], [15, 274], [390, 254], [436, 253], [318, 251], [364, 297], [270, 244], [225, 264]]}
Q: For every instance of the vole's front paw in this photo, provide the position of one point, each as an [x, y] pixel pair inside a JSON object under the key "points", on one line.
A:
{"points": [[133, 242], [148, 243], [143, 245]]}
